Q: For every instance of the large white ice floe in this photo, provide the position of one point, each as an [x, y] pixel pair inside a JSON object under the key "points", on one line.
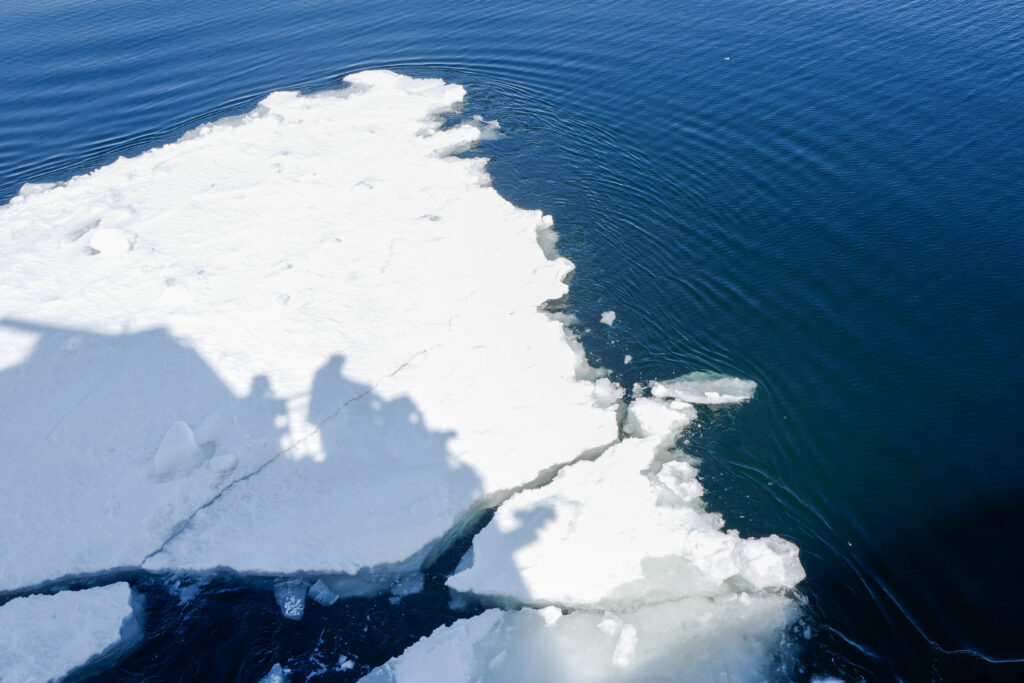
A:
{"points": [[304, 339], [655, 587], [43, 637]]}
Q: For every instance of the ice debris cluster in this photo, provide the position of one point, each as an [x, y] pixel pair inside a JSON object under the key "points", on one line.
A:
{"points": [[311, 340]]}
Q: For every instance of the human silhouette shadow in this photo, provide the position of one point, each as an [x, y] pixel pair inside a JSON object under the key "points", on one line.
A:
{"points": [[360, 498], [366, 496], [81, 418]]}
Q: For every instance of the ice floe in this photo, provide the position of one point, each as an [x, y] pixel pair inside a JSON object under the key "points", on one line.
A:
{"points": [[705, 387], [306, 338], [43, 637], [655, 587]]}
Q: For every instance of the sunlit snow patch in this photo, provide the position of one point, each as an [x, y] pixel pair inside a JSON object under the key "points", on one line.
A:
{"points": [[43, 637]]}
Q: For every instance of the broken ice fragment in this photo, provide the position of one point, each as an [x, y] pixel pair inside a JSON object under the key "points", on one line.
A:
{"points": [[291, 598]]}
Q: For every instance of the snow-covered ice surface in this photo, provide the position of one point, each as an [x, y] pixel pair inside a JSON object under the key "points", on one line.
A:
{"points": [[655, 587], [302, 339], [43, 637], [310, 340]]}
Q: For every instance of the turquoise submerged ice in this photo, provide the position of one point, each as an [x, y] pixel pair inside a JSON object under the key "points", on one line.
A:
{"points": [[310, 340]]}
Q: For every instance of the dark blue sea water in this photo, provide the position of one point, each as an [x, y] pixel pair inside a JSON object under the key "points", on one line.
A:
{"points": [[825, 197]]}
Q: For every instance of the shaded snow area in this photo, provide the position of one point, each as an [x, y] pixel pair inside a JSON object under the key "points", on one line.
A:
{"points": [[309, 343], [43, 637]]}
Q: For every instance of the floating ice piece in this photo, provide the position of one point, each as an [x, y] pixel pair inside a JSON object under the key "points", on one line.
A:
{"points": [[43, 637], [109, 241], [388, 349], [726, 638], [322, 594], [277, 674], [657, 417], [608, 318], [291, 598], [705, 387]]}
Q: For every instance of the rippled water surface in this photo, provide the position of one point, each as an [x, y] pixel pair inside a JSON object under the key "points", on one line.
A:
{"points": [[825, 197]]}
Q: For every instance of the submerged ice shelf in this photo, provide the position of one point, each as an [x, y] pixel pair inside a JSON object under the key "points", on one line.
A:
{"points": [[311, 341]]}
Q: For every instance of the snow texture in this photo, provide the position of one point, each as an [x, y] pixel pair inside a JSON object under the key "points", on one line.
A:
{"points": [[304, 339], [43, 637]]}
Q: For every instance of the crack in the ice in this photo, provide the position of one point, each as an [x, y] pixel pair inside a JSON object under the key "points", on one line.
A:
{"points": [[79, 402], [184, 524]]}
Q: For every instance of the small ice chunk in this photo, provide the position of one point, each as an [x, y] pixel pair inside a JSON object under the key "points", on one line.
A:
{"points": [[705, 387], [550, 614], [322, 594], [185, 589], [110, 241], [625, 647], [608, 318], [277, 674], [628, 359], [222, 464], [178, 453], [344, 664], [291, 598], [408, 585], [651, 416], [679, 483], [607, 393], [610, 625]]}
